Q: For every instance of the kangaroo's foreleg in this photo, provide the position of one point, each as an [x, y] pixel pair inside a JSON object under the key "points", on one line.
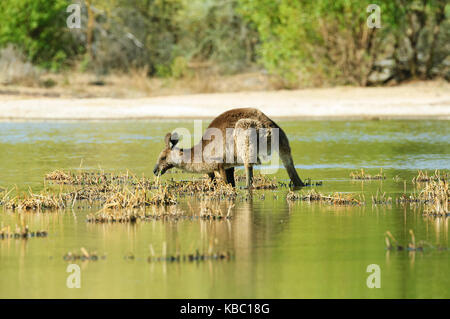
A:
{"points": [[223, 174], [249, 175], [212, 177], [229, 172]]}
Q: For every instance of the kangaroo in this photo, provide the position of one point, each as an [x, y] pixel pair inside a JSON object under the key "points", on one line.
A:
{"points": [[236, 119]]}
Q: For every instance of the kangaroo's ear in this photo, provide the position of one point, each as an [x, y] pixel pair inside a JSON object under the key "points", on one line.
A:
{"points": [[171, 140]]}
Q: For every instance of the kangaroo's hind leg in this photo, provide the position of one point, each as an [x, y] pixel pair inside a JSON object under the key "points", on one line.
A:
{"points": [[246, 143]]}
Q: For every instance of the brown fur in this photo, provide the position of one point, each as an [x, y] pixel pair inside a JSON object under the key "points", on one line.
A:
{"points": [[255, 119]]}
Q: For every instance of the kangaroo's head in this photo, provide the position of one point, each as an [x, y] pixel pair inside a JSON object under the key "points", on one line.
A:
{"points": [[166, 159]]}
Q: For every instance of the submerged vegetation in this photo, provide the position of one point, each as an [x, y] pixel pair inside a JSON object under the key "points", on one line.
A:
{"points": [[83, 255], [393, 244], [361, 175], [197, 257], [21, 233]]}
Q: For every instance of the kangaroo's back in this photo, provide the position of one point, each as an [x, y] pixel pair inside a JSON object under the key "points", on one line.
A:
{"points": [[229, 118]]}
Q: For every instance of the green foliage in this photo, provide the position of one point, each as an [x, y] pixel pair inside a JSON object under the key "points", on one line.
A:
{"points": [[179, 67], [330, 39], [309, 42], [213, 30], [38, 28]]}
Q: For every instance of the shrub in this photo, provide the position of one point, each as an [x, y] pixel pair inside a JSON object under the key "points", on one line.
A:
{"points": [[14, 68]]}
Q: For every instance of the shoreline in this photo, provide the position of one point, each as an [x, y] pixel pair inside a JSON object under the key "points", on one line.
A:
{"points": [[421, 100]]}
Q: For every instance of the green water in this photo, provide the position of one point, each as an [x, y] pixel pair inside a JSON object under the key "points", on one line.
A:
{"points": [[302, 250]]}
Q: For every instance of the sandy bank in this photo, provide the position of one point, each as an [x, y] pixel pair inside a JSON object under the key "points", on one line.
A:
{"points": [[418, 100]]}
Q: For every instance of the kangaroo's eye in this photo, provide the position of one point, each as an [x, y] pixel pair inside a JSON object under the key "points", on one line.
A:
{"points": [[163, 159]]}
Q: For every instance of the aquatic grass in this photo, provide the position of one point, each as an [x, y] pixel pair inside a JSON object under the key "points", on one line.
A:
{"points": [[83, 255], [192, 257], [59, 176], [434, 195], [335, 198], [422, 177], [309, 182], [361, 175], [382, 199], [125, 198], [21, 233], [264, 182]]}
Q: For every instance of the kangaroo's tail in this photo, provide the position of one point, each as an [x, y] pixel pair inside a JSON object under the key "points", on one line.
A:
{"points": [[286, 157]]}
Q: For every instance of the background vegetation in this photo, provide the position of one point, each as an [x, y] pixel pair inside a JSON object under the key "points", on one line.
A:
{"points": [[302, 43]]}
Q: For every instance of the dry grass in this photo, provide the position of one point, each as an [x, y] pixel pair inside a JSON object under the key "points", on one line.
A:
{"points": [[123, 191], [91, 178], [122, 198], [209, 210], [15, 69], [437, 195], [361, 175], [32, 201], [134, 215], [134, 84]]}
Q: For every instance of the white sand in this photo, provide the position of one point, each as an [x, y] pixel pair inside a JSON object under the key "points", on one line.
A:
{"points": [[419, 100]]}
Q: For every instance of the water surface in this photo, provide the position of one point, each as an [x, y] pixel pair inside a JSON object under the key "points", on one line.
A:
{"points": [[282, 250]]}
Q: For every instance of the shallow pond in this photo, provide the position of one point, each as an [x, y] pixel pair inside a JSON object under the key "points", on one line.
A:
{"points": [[281, 250]]}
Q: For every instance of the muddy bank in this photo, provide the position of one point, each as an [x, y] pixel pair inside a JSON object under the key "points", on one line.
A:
{"points": [[417, 100]]}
